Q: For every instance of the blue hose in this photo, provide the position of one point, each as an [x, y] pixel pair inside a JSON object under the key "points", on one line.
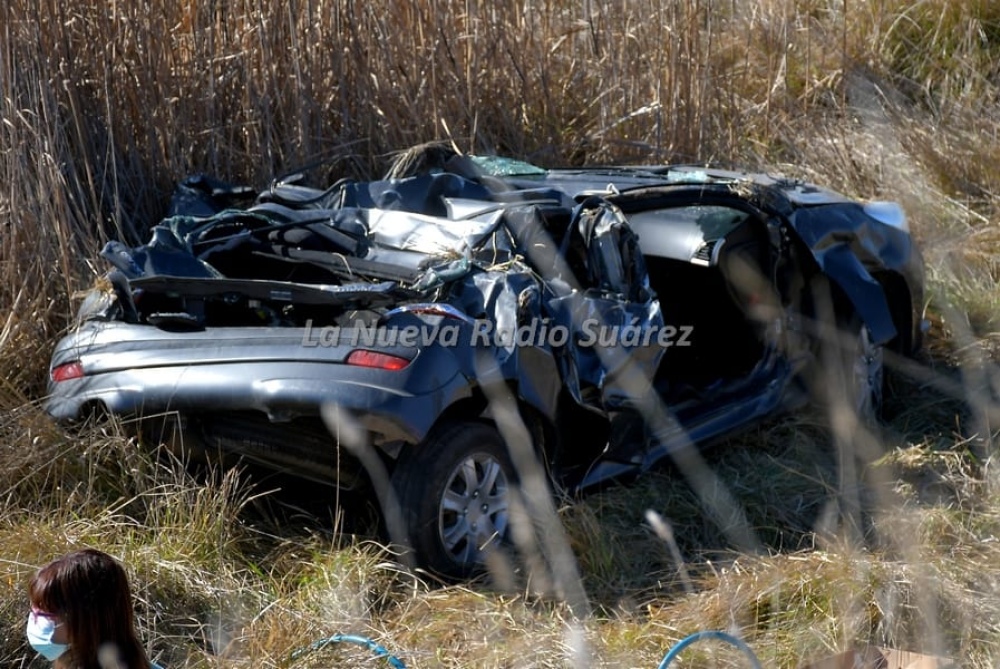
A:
{"points": [[378, 650], [396, 663], [709, 634]]}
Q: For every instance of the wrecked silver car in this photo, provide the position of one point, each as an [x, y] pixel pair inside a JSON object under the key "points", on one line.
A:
{"points": [[365, 335]]}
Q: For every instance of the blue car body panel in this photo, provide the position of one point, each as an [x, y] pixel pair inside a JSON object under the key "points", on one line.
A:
{"points": [[239, 306]]}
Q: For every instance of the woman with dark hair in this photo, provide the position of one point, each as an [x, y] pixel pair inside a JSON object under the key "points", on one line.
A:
{"points": [[81, 614]]}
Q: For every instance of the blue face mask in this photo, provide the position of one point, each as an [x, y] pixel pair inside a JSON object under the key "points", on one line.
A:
{"points": [[40, 631]]}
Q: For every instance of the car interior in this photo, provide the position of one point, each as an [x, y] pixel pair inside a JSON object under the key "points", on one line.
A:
{"points": [[713, 283]]}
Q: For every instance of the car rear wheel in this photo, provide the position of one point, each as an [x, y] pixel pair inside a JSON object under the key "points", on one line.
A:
{"points": [[454, 494]]}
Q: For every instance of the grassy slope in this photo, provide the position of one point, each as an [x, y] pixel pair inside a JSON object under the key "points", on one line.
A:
{"points": [[103, 106]]}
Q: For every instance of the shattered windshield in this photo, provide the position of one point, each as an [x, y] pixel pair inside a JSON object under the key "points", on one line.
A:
{"points": [[499, 166]]}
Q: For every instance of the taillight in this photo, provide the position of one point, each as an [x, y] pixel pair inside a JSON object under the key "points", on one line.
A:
{"points": [[363, 358], [67, 371]]}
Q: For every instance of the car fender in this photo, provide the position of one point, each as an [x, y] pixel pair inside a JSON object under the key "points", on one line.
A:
{"points": [[474, 355], [848, 245]]}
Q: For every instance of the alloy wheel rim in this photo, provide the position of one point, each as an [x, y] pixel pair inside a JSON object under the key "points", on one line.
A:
{"points": [[474, 509], [867, 375]]}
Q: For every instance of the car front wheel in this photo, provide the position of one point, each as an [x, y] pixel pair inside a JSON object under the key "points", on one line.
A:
{"points": [[849, 369], [454, 494], [866, 372]]}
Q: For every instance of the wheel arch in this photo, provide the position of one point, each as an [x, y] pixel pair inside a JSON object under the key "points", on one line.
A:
{"points": [[900, 301], [476, 406]]}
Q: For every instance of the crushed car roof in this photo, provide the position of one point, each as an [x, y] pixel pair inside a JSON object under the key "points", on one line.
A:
{"points": [[615, 179]]}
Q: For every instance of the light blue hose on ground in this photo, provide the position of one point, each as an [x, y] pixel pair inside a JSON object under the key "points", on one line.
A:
{"points": [[396, 663], [709, 634], [378, 650]]}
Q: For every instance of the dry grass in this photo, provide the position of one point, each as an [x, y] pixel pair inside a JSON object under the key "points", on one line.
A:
{"points": [[104, 105]]}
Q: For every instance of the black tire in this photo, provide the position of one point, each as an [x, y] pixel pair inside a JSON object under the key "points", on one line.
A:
{"points": [[849, 370], [867, 372], [454, 494]]}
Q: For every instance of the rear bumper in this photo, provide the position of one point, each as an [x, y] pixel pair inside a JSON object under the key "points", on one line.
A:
{"points": [[394, 405]]}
